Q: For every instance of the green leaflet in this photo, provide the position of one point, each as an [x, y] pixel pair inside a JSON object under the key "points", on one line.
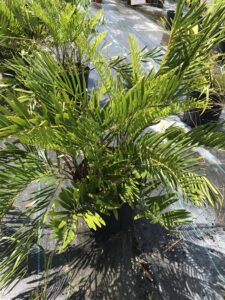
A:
{"points": [[93, 220]]}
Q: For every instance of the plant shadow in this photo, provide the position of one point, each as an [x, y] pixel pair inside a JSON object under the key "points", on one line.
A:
{"points": [[181, 268], [185, 266], [102, 269]]}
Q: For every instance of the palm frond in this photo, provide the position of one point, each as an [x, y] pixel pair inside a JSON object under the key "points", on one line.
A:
{"points": [[154, 209], [176, 165]]}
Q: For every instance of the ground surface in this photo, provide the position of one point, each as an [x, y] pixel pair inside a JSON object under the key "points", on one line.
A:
{"points": [[149, 263]]}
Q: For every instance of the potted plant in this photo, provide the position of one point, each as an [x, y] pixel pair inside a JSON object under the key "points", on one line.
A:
{"points": [[67, 24], [214, 97], [20, 29], [202, 113], [90, 163], [56, 26]]}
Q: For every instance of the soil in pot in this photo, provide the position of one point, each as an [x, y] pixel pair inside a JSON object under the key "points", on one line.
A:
{"points": [[197, 116], [114, 225]]}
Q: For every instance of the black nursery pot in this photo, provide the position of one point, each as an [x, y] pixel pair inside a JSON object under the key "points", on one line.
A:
{"points": [[220, 48], [169, 18], [124, 222], [156, 3], [196, 117]]}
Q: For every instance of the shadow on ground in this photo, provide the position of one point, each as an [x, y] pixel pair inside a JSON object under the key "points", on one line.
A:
{"points": [[109, 269], [183, 266], [92, 270]]}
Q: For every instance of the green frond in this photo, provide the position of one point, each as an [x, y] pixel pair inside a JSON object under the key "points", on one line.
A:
{"points": [[213, 136], [154, 210], [19, 169], [135, 54], [14, 260], [175, 164], [186, 46], [25, 241]]}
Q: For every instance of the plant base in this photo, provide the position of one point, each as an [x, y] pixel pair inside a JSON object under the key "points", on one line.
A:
{"points": [[124, 222]]}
